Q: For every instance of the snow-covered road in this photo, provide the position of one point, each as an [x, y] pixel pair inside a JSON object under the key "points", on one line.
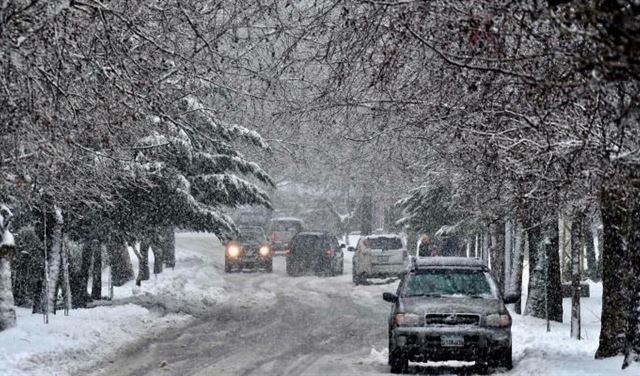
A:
{"points": [[270, 324]]}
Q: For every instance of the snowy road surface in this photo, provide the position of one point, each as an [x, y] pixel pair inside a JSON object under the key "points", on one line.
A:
{"points": [[270, 324]]}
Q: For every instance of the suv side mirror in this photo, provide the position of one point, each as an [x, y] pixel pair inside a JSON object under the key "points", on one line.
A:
{"points": [[511, 298], [389, 297], [342, 246], [351, 249]]}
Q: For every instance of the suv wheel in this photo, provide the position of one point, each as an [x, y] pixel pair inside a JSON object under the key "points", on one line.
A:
{"points": [[227, 267], [269, 267], [503, 360], [398, 361]]}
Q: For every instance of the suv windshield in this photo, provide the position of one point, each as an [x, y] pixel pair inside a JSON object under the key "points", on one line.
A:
{"points": [[251, 234], [450, 282], [380, 242]]}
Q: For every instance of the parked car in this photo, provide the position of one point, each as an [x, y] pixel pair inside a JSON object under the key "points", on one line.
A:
{"points": [[250, 249], [315, 251], [449, 308], [379, 256], [281, 230]]}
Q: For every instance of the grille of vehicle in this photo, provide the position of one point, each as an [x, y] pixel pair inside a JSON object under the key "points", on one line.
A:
{"points": [[250, 250], [452, 319]]}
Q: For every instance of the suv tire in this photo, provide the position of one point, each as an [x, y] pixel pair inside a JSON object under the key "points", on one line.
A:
{"points": [[398, 361], [227, 267], [269, 267], [504, 360]]}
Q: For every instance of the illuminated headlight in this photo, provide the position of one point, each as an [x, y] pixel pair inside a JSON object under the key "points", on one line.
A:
{"points": [[408, 319], [233, 250], [500, 321], [264, 250]]}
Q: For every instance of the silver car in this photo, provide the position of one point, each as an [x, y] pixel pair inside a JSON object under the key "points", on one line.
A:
{"points": [[449, 308], [378, 256]]}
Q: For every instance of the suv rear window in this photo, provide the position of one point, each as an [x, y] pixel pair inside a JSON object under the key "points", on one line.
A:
{"points": [[450, 282], [286, 226], [310, 242], [380, 242]]}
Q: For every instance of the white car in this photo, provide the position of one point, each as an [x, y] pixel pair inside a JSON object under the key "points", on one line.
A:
{"points": [[379, 256]]}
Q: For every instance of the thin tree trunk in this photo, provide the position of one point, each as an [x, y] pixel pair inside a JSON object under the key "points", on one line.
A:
{"points": [[577, 242], [554, 279], [518, 261], [537, 274], [66, 287], [158, 256], [7, 310], [632, 337], [590, 252], [508, 250], [96, 287], [55, 258], [497, 253], [612, 330]]}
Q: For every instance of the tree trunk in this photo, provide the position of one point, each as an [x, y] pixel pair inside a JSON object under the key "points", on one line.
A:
{"points": [[497, 253], [554, 279], [121, 268], [508, 254], [632, 337], [7, 310], [158, 256], [590, 251], [537, 274], [96, 287], [79, 295], [366, 215], [612, 331], [66, 287], [169, 247], [143, 263], [577, 242], [55, 258], [518, 261]]}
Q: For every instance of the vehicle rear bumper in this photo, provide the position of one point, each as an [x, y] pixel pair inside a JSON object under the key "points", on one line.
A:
{"points": [[424, 344], [386, 270]]}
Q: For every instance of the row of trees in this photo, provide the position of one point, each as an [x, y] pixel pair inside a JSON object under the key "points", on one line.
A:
{"points": [[117, 126], [511, 111]]}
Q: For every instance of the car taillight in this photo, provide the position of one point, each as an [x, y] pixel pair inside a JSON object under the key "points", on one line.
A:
{"points": [[287, 251], [328, 252]]}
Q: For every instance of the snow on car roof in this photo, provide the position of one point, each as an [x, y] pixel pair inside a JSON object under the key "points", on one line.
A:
{"points": [[448, 261], [283, 219], [381, 236]]}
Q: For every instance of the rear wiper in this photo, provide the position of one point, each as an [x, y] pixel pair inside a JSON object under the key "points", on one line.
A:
{"points": [[476, 297]]}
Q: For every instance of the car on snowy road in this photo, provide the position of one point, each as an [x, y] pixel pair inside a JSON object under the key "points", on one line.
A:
{"points": [[449, 308], [318, 252], [378, 256], [250, 249], [281, 230]]}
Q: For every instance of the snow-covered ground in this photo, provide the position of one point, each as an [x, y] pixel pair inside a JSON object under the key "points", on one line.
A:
{"points": [[258, 324], [69, 343]]}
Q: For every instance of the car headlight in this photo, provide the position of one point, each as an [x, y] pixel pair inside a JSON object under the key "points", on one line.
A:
{"points": [[264, 250], [408, 319], [233, 250], [499, 321]]}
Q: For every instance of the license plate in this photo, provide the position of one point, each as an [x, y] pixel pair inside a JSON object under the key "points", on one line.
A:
{"points": [[452, 341], [383, 258]]}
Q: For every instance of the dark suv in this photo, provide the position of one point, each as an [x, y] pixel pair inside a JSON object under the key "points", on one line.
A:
{"points": [[449, 308], [314, 251], [250, 249]]}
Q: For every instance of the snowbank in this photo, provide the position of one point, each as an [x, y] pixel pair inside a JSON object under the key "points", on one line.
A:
{"points": [[69, 343]]}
